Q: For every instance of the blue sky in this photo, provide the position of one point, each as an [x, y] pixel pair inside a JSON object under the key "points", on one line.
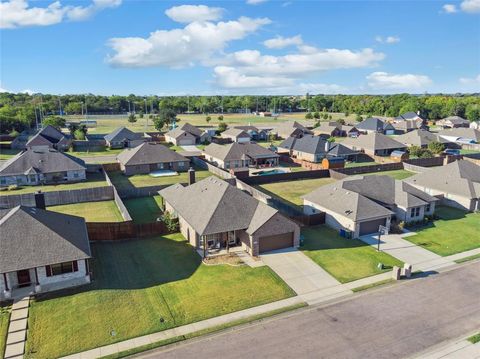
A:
{"points": [[174, 48]]}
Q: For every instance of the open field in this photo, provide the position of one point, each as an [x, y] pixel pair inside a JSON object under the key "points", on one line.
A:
{"points": [[123, 182], [7, 153], [346, 259], [103, 211], [456, 231], [291, 191], [144, 209], [397, 174], [93, 180], [141, 287]]}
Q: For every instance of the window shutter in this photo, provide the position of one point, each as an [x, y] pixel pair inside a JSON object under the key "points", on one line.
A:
{"points": [[75, 266], [48, 269]]}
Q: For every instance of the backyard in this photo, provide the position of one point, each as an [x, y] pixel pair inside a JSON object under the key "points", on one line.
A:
{"points": [[93, 180], [456, 231], [103, 211], [397, 174], [122, 182], [144, 209], [345, 259], [141, 287], [7, 153]]}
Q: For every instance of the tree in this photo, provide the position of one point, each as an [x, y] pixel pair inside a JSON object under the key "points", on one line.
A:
{"points": [[79, 134], [168, 115], [316, 115], [359, 118], [55, 121], [341, 121], [308, 116], [170, 222], [325, 116], [222, 126], [426, 153], [472, 112], [158, 122], [220, 118], [132, 118], [436, 147], [208, 119], [415, 151], [331, 139]]}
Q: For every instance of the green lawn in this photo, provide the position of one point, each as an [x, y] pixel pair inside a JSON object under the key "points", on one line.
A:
{"points": [[397, 174], [4, 317], [269, 143], [104, 152], [468, 152], [93, 180], [103, 211], [456, 231], [346, 259], [144, 209], [7, 153], [141, 287], [123, 182], [360, 164], [291, 191]]}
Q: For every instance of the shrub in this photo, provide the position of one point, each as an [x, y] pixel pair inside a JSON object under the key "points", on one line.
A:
{"points": [[316, 115], [208, 119], [170, 222], [308, 116], [359, 118], [220, 118], [14, 133], [12, 187]]}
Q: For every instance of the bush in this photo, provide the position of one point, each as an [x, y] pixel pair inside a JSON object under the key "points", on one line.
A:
{"points": [[359, 118], [308, 116], [79, 135], [132, 118], [316, 115], [208, 119], [170, 222], [12, 187], [14, 133], [222, 127], [220, 118]]}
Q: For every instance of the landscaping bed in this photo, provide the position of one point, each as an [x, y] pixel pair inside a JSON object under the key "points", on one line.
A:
{"points": [[345, 259], [102, 211], [144, 209], [141, 287], [455, 231]]}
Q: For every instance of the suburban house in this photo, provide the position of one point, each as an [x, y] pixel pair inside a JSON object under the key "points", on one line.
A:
{"points": [[122, 137], [186, 134], [461, 135], [409, 116], [292, 129], [408, 125], [313, 148], [420, 138], [375, 125], [453, 122], [151, 157], [329, 129], [214, 215], [374, 144], [42, 166], [361, 204], [236, 135], [49, 137], [237, 155], [256, 134], [42, 251], [350, 131], [457, 183]]}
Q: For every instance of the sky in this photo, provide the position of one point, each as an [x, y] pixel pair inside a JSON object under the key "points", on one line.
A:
{"points": [[239, 47]]}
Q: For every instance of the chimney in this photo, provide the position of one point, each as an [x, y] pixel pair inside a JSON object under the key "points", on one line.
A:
{"points": [[39, 200], [191, 176]]}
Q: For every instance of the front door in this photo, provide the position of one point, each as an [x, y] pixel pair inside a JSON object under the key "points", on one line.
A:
{"points": [[23, 277]]}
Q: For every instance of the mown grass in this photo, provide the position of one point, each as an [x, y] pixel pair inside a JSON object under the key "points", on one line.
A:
{"points": [[102, 211], [474, 339], [7, 153], [345, 259], [141, 287], [4, 319], [397, 174], [144, 209]]}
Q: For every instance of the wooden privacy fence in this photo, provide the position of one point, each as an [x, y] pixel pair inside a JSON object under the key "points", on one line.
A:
{"points": [[310, 219], [111, 231]]}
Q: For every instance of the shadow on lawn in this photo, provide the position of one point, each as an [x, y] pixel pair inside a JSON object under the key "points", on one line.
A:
{"points": [[322, 237], [136, 264], [444, 214]]}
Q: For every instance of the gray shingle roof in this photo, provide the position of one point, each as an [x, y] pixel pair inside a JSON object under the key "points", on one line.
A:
{"points": [[235, 132], [48, 135], [419, 138], [373, 141], [286, 129], [339, 150], [182, 130], [454, 120], [374, 124], [178, 132], [408, 116], [121, 134], [311, 144], [238, 151], [460, 178], [149, 153], [461, 132], [34, 237], [213, 206], [41, 161]]}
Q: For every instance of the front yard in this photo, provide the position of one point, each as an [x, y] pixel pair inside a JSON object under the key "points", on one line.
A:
{"points": [[103, 211], [345, 259], [141, 287], [122, 182], [4, 317], [93, 180], [456, 231], [144, 209]]}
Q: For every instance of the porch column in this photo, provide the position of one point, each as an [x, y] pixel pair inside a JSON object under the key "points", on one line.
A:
{"points": [[5, 281], [36, 276]]}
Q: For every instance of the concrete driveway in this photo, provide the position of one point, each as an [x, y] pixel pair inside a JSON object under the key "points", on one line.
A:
{"points": [[418, 257], [304, 276], [191, 148]]}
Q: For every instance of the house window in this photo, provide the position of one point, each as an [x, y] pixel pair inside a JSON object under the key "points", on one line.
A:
{"points": [[61, 268], [75, 174], [181, 164], [3, 180], [427, 208], [32, 178], [412, 212], [417, 211]]}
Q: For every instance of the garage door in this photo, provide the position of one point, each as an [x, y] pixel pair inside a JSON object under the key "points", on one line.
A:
{"points": [[186, 142], [370, 227], [270, 243]]}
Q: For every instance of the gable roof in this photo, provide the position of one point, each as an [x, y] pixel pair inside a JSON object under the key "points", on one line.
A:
{"points": [[248, 128], [191, 129], [419, 138], [339, 150], [41, 161], [461, 132], [327, 128], [33, 237], [373, 141], [121, 134], [149, 153], [410, 115], [460, 177], [374, 124], [311, 144], [214, 206], [48, 135], [238, 151], [235, 132], [178, 132], [454, 120], [286, 129]]}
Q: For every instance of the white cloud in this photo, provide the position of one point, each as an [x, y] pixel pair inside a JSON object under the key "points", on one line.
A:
{"points": [[387, 40], [176, 48], [470, 6], [384, 80], [280, 42], [18, 13], [230, 77], [255, 2], [449, 8], [190, 13], [469, 80], [319, 88], [27, 91]]}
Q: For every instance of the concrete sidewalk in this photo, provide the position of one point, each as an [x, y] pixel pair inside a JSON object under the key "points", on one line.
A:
{"points": [[310, 281], [460, 349], [17, 329]]}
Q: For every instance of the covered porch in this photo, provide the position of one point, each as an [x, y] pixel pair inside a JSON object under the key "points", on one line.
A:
{"points": [[222, 243]]}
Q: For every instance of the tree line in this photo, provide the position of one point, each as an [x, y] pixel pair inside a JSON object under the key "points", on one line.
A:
{"points": [[20, 111]]}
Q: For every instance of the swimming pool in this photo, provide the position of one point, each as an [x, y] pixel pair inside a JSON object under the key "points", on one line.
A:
{"points": [[269, 172], [163, 173]]}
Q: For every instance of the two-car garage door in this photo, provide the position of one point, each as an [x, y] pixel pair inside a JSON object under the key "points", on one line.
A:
{"points": [[278, 241], [185, 141], [370, 227]]}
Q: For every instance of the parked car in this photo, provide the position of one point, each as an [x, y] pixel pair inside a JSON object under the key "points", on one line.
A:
{"points": [[451, 152]]}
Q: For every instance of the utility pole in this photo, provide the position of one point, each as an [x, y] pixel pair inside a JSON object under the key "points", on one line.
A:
{"points": [[129, 107], [59, 107], [36, 119]]}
